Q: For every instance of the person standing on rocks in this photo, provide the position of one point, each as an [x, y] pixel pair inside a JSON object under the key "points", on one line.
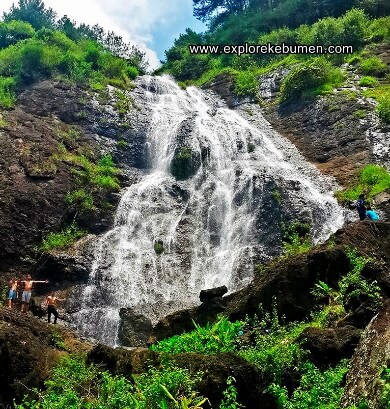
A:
{"points": [[361, 207], [51, 306], [26, 295], [13, 285]]}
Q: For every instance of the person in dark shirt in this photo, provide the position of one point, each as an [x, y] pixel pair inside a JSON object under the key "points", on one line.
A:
{"points": [[361, 207]]}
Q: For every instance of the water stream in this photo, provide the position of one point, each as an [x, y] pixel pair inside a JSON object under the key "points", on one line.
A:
{"points": [[213, 226]]}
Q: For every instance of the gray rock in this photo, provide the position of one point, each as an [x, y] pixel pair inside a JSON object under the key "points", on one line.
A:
{"points": [[135, 329], [212, 293]]}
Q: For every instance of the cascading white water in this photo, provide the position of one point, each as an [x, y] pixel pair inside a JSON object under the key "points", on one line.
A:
{"points": [[212, 225]]}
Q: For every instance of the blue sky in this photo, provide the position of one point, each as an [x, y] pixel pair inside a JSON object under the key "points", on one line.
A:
{"points": [[151, 24]]}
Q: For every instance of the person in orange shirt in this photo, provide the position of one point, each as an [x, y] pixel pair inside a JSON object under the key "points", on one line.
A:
{"points": [[51, 306]]}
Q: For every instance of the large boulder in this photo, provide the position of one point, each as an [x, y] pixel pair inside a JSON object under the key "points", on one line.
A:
{"points": [[328, 345], [371, 357], [134, 329], [212, 293]]}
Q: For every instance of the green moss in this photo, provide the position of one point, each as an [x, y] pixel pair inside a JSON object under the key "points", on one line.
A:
{"points": [[122, 144], [159, 247], [181, 163], [360, 113]]}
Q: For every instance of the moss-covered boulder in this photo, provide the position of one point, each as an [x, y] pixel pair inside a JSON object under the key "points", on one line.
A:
{"points": [[185, 163]]}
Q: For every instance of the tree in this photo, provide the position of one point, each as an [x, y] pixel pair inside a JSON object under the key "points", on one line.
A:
{"points": [[207, 10], [33, 12]]}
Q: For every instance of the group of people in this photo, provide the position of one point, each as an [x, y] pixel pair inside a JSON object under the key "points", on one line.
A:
{"points": [[12, 296], [364, 209]]}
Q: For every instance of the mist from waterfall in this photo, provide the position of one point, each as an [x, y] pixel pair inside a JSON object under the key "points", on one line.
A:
{"points": [[214, 226]]}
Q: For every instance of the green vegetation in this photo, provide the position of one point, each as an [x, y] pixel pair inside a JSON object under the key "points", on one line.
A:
{"points": [[383, 108], [158, 247], [261, 22], [230, 395], [181, 163], [62, 240], [81, 199], [373, 179], [75, 385], [96, 176], [296, 238], [314, 77], [373, 66], [320, 389], [122, 144], [353, 284], [57, 339], [213, 338], [360, 113], [34, 46], [368, 81], [246, 84]]}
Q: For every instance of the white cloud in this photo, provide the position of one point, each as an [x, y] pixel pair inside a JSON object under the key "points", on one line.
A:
{"points": [[134, 20]]}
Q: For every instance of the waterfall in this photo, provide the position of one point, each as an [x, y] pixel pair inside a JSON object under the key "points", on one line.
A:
{"points": [[214, 225]]}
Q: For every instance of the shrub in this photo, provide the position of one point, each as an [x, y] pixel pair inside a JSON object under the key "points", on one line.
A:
{"points": [[275, 351], [317, 389], [62, 240], [246, 84], [296, 238], [373, 66], [368, 81], [81, 199], [7, 96], [75, 385], [230, 395], [373, 179], [355, 28], [159, 247], [383, 108], [14, 31], [316, 76], [353, 284], [211, 339]]}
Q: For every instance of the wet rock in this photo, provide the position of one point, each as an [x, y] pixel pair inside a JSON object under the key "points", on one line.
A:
{"points": [[185, 163], [62, 268], [134, 329], [212, 293], [121, 361], [371, 357], [360, 316], [327, 346]]}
